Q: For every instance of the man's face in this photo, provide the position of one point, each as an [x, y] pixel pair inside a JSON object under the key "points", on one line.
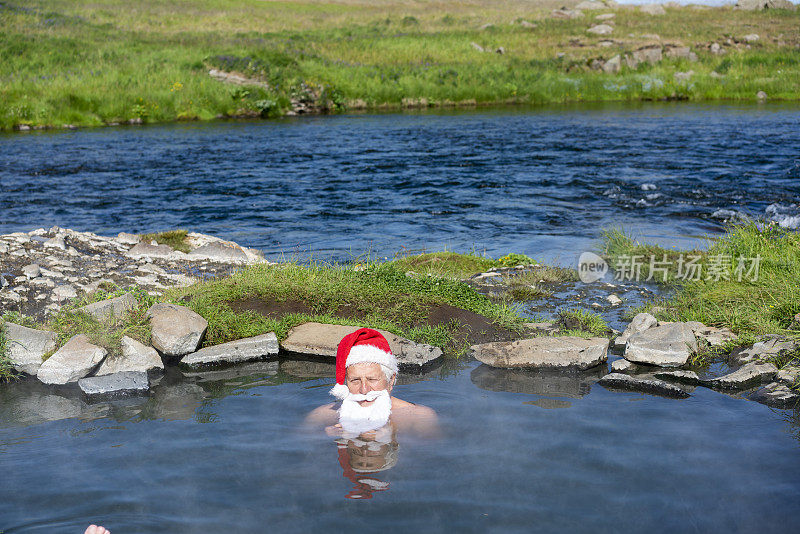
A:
{"points": [[364, 377]]}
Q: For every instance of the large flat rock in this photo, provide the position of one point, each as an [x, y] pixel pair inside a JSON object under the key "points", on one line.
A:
{"points": [[216, 251], [645, 385], [176, 330], [639, 323], [27, 346], [770, 347], [111, 308], [242, 350], [751, 374], [679, 375], [318, 339], [148, 250], [135, 357], [669, 345], [777, 395], [544, 353], [76, 359], [126, 382]]}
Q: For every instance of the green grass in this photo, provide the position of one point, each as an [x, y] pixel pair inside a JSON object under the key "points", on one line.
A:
{"points": [[454, 265], [7, 371], [107, 333], [100, 62], [173, 238], [750, 306], [446, 264], [377, 295], [582, 323]]}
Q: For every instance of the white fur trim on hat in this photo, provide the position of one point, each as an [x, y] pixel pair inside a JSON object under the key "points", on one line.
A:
{"points": [[339, 391], [371, 354]]}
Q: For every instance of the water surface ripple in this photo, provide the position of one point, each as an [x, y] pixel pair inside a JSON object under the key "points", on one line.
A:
{"points": [[541, 181]]}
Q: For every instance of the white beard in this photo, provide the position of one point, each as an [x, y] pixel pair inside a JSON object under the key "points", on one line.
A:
{"points": [[358, 419]]}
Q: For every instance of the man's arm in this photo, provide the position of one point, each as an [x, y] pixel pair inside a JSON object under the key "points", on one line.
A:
{"points": [[324, 415]]}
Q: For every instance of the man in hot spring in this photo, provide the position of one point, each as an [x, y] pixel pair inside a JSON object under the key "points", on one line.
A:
{"points": [[366, 372]]}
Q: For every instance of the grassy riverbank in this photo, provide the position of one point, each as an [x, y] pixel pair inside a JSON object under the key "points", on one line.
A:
{"points": [[91, 63], [760, 295]]}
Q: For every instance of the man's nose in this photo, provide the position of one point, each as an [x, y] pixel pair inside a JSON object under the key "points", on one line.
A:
{"points": [[365, 388]]}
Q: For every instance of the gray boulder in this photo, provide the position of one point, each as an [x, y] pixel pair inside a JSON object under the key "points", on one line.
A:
{"points": [[749, 375], [653, 9], [759, 5], [64, 292], [770, 347], [788, 375], [319, 339], [588, 5], [544, 353], [681, 52], [76, 359], [714, 336], [242, 350], [111, 308], [645, 385], [640, 323], [135, 357], [217, 251], [679, 375], [56, 242], [176, 330], [126, 382], [622, 366], [667, 346], [125, 238], [612, 66], [31, 271], [777, 396], [27, 346], [600, 29], [648, 54], [565, 13], [148, 250]]}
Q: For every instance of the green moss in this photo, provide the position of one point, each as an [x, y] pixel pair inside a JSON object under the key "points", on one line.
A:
{"points": [[173, 238]]}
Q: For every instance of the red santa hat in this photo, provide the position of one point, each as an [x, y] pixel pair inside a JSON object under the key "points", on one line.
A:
{"points": [[365, 345]]}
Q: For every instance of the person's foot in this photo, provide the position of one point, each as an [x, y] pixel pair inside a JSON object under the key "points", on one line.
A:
{"points": [[94, 529]]}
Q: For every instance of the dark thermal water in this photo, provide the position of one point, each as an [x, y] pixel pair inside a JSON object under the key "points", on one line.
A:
{"points": [[520, 452]]}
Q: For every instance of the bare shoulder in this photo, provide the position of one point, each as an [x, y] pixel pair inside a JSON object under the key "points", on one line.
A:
{"points": [[323, 415], [416, 417], [399, 405]]}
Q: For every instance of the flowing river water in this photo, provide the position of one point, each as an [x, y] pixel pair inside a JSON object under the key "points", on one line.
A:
{"points": [[519, 451]]}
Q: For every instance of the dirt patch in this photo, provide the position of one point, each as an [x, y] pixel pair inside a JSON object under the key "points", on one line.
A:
{"points": [[276, 309], [472, 327], [467, 326]]}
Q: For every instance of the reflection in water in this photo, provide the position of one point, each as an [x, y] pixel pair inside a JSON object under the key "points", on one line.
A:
{"points": [[547, 383], [367, 454]]}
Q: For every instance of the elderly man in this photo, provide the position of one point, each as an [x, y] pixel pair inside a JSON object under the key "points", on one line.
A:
{"points": [[366, 372]]}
